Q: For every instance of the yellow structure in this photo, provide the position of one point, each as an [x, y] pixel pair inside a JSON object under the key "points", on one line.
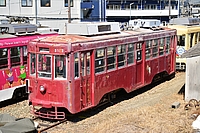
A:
{"points": [[188, 36]]}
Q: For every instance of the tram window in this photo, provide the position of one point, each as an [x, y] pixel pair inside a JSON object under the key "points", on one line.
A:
{"points": [[32, 63], [130, 54], [191, 39], [111, 57], [24, 55], [155, 48], [167, 44], [85, 63], [139, 51], [148, 49], [44, 65], [15, 56], [196, 38], [181, 40], [100, 60], [3, 58], [161, 47], [121, 55], [76, 65], [88, 63], [60, 66]]}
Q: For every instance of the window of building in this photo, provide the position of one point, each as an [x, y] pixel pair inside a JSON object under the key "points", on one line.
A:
{"points": [[100, 60], [3, 58], [161, 48], [111, 57], [155, 48], [26, 3], [71, 3], [130, 54], [15, 56], [2, 2], [148, 49], [45, 3], [121, 55]]}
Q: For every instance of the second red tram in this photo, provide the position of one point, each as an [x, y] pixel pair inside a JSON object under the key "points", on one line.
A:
{"points": [[76, 72]]}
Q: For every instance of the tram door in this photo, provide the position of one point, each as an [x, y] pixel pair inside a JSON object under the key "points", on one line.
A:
{"points": [[139, 64], [85, 72]]}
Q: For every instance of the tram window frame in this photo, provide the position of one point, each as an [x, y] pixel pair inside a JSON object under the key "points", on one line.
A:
{"points": [[121, 55], [148, 48], [85, 65], [60, 67], [181, 40], [15, 56], [44, 69], [130, 53], [24, 53], [111, 58], [88, 61], [100, 60], [196, 38], [155, 48], [161, 46], [139, 51], [3, 58], [76, 65], [168, 40], [191, 37], [32, 64]]}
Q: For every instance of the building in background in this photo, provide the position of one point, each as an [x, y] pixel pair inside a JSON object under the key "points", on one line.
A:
{"points": [[124, 10], [55, 13]]}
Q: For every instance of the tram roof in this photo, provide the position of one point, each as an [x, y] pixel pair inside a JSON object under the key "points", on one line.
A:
{"points": [[78, 38], [184, 29]]}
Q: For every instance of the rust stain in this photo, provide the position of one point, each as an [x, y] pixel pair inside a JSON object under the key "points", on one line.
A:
{"points": [[65, 38]]}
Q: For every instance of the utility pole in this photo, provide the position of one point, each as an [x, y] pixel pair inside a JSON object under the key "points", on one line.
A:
{"points": [[69, 11], [169, 9], [130, 9], [36, 12]]}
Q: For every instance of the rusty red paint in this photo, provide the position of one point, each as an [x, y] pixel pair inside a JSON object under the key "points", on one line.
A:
{"points": [[87, 90]]}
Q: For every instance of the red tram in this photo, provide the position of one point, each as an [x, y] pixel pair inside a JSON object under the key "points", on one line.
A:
{"points": [[13, 58], [76, 72]]}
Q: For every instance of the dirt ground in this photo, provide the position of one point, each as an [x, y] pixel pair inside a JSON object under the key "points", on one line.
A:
{"points": [[149, 112]]}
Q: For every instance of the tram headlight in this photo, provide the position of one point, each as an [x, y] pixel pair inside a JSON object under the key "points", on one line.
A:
{"points": [[42, 89]]}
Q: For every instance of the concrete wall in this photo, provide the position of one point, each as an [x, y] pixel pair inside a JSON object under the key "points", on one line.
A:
{"points": [[192, 85]]}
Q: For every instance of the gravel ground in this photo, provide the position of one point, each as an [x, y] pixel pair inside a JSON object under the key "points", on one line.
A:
{"points": [[150, 111]]}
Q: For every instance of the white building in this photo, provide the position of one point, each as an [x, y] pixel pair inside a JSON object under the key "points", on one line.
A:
{"points": [[45, 12], [54, 13]]}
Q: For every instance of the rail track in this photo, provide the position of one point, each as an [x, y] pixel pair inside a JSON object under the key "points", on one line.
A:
{"points": [[44, 126]]}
